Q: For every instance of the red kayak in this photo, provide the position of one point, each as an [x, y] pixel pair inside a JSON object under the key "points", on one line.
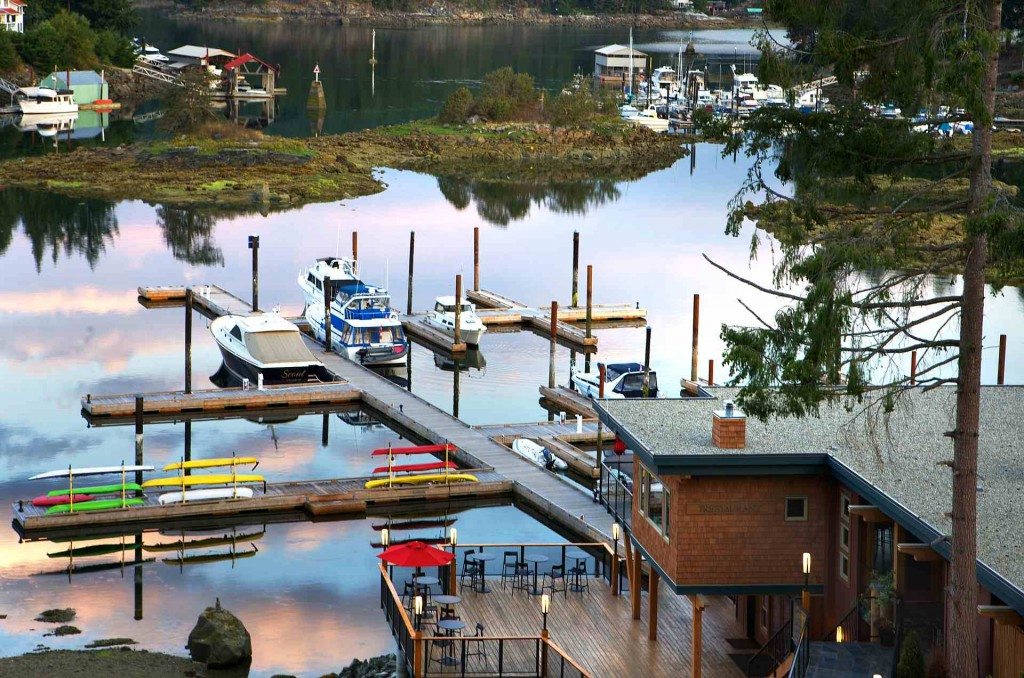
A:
{"points": [[44, 500]]}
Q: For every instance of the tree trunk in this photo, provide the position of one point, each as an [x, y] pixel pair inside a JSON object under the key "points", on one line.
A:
{"points": [[962, 645]]}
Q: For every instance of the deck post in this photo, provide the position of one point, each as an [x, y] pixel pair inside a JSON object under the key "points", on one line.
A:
{"points": [[453, 579], [652, 607], [544, 652], [913, 368], [417, 654], [629, 563], [696, 327], [575, 269], [188, 340], [327, 315], [355, 251], [1001, 371], [647, 362], [554, 336], [476, 258], [590, 301], [615, 571], [698, 629], [412, 257], [637, 586], [254, 245], [458, 310], [138, 439], [711, 372]]}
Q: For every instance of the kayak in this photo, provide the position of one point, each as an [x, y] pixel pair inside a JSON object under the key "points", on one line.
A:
{"points": [[428, 466], [206, 495], [211, 479], [97, 489], [208, 542], [212, 463], [94, 505], [89, 471], [93, 550], [45, 500], [421, 479]]}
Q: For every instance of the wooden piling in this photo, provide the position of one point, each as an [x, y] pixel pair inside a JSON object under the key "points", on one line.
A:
{"points": [[188, 340], [575, 269], [456, 379], [355, 250], [590, 300], [696, 326], [327, 314], [188, 443], [254, 245], [138, 577], [325, 432], [554, 343], [412, 258], [138, 438], [711, 372], [913, 368], [647, 362], [1001, 371], [458, 308], [698, 632], [476, 258]]}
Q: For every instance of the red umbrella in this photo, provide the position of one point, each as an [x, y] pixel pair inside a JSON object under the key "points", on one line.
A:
{"points": [[416, 554]]}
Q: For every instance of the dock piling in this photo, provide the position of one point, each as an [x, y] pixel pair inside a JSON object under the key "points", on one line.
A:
{"points": [[711, 372], [590, 301], [412, 258], [188, 340], [647, 362], [138, 576], [458, 309], [188, 443], [476, 258], [1001, 371], [575, 269], [138, 439], [554, 343], [254, 245], [327, 314], [696, 327], [325, 432]]}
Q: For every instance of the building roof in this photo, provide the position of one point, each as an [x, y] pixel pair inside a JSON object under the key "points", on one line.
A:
{"points": [[245, 59], [619, 50], [8, 10], [893, 460], [77, 77], [198, 52]]}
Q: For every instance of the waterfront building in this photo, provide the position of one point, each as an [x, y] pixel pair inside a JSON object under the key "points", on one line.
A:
{"points": [[13, 12], [87, 86], [611, 63], [198, 55], [720, 505]]}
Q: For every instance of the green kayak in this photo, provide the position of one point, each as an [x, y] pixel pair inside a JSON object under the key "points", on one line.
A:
{"points": [[98, 489], [94, 505]]}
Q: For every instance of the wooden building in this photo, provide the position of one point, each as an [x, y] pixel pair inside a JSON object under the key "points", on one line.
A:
{"points": [[199, 55], [243, 71], [611, 63], [720, 505]]}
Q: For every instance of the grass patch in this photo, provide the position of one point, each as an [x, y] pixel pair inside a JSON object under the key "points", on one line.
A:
{"points": [[219, 185], [57, 183], [109, 642], [56, 616], [64, 630]]}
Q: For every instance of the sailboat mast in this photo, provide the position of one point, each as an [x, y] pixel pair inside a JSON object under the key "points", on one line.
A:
{"points": [[631, 61]]}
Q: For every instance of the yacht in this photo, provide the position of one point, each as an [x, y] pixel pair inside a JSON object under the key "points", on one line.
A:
{"points": [[649, 118], [265, 344], [442, 317], [665, 80], [364, 328], [35, 100], [621, 380], [147, 52], [311, 280]]}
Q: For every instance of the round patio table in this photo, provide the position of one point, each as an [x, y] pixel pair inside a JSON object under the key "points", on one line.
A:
{"points": [[536, 559], [483, 559], [450, 626], [446, 600]]}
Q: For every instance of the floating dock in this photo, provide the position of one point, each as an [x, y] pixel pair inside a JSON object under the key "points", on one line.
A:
{"points": [[566, 400]]}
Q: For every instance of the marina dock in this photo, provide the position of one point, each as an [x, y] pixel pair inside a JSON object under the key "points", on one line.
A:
{"points": [[566, 400]]}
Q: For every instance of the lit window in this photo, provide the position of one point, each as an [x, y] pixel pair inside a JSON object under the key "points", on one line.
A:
{"points": [[844, 537], [796, 508], [844, 566]]}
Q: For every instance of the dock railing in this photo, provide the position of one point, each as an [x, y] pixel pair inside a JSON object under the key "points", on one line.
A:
{"points": [[617, 489]]}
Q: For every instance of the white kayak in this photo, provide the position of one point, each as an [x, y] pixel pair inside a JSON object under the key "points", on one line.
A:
{"points": [[90, 471], [538, 454], [207, 494]]}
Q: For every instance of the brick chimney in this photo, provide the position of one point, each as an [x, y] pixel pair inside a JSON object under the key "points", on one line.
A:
{"points": [[729, 428]]}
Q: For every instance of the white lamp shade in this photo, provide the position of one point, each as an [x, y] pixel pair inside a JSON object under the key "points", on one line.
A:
{"points": [[616, 530], [417, 604], [454, 536], [807, 563], [545, 603], [385, 537]]}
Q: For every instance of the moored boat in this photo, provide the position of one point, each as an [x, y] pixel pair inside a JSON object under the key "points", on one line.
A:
{"points": [[621, 380], [538, 454], [442, 317], [364, 327], [33, 100], [268, 345], [90, 471], [311, 280]]}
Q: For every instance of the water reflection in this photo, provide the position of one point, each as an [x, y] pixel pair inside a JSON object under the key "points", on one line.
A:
{"points": [[189, 235], [502, 202]]}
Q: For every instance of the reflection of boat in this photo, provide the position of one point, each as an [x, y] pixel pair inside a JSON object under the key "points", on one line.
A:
{"points": [[204, 543], [90, 471], [360, 419], [423, 479], [538, 454], [268, 345], [442, 317], [208, 494], [422, 524], [94, 550], [95, 505], [47, 124], [472, 359], [212, 557], [364, 328], [311, 280], [45, 100], [210, 479], [621, 380]]}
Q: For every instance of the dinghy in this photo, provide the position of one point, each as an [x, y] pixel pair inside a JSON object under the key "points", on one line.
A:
{"points": [[97, 489], [95, 505], [538, 454], [212, 479], [209, 494], [89, 471], [216, 462]]}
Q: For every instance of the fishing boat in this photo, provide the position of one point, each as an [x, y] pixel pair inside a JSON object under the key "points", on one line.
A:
{"points": [[364, 327], [34, 100], [95, 505], [116, 488], [210, 479], [422, 479], [337, 269], [442, 317], [265, 345], [207, 494], [216, 462], [538, 454], [621, 380], [90, 471]]}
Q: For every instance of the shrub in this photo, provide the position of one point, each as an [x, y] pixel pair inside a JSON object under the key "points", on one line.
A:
{"points": [[506, 94], [578, 105], [9, 59], [115, 49], [457, 107], [189, 105], [911, 659]]}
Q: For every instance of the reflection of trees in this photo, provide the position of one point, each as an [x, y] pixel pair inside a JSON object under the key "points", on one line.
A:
{"points": [[54, 223], [501, 202], [189, 234]]}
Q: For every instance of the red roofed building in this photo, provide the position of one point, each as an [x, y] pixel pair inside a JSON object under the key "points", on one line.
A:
{"points": [[238, 71], [12, 15]]}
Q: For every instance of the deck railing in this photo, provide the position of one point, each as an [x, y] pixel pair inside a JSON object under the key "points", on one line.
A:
{"points": [[802, 655], [617, 490], [773, 653]]}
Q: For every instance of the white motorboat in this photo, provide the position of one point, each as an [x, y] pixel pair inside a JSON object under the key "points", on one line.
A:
{"points": [[364, 328], [538, 454], [665, 80], [648, 117], [311, 279], [34, 100], [268, 345], [628, 111], [206, 494], [442, 317], [621, 380]]}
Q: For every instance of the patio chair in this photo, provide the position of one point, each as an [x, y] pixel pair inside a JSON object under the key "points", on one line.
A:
{"points": [[509, 560], [579, 579], [440, 642], [477, 648], [408, 592], [470, 569], [554, 580]]}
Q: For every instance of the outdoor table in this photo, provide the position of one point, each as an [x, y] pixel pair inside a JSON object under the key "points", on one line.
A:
{"points": [[579, 557], [446, 600], [450, 626], [536, 559], [483, 558], [426, 580]]}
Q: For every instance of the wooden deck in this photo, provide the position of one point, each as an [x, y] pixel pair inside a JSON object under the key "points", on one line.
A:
{"points": [[210, 300], [561, 438], [566, 400], [597, 630]]}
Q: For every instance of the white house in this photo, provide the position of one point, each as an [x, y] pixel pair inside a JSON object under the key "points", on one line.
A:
{"points": [[12, 15], [612, 62]]}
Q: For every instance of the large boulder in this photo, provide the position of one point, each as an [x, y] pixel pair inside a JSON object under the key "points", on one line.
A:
{"points": [[219, 639]]}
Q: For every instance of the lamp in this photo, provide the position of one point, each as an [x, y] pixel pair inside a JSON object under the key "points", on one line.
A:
{"points": [[805, 597], [417, 607], [807, 564], [385, 537], [839, 634], [545, 605], [454, 537]]}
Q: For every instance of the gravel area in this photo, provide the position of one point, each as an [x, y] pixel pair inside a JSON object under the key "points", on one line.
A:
{"points": [[897, 453], [124, 663]]}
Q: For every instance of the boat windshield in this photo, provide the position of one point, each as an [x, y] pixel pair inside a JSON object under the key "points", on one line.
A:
{"points": [[278, 346]]}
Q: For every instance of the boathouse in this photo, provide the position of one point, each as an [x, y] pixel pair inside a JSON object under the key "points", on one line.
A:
{"points": [[240, 72], [611, 63], [199, 55], [722, 505], [88, 86]]}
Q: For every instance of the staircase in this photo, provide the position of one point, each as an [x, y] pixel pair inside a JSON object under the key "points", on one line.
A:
{"points": [[8, 86]]}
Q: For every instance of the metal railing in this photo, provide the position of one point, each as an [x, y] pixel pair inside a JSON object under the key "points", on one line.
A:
{"points": [[850, 625], [773, 653], [398, 620], [617, 490], [802, 655]]}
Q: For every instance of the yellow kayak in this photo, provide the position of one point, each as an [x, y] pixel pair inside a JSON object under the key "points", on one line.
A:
{"points": [[421, 479], [212, 463], [208, 479]]}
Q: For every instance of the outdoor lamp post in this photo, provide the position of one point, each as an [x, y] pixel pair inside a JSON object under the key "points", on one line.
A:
{"points": [[385, 537], [616, 533], [454, 538], [805, 598], [417, 606], [545, 605]]}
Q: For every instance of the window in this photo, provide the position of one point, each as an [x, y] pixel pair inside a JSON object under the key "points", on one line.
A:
{"points": [[844, 507], [883, 549], [654, 501], [844, 567], [844, 537], [796, 508], [236, 333]]}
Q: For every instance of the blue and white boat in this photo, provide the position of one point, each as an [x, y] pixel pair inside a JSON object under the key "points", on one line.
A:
{"points": [[364, 327]]}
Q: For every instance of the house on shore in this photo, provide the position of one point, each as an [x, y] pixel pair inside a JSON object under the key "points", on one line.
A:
{"points": [[198, 55], [831, 536], [611, 63], [87, 86], [13, 15]]}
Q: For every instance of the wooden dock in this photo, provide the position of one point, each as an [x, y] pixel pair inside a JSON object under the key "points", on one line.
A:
{"points": [[169, 403], [210, 300], [566, 400]]}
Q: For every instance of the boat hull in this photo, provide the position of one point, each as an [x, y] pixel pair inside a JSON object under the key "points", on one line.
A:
{"points": [[240, 369], [210, 494], [470, 336]]}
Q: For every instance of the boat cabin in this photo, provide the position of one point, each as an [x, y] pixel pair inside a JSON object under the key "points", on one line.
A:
{"points": [[447, 305]]}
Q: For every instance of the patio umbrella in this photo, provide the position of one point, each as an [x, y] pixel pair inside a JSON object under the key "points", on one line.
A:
{"points": [[416, 554]]}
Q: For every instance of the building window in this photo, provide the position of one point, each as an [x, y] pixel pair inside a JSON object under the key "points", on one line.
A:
{"points": [[844, 537], [796, 508], [654, 501], [883, 549], [844, 567], [844, 507]]}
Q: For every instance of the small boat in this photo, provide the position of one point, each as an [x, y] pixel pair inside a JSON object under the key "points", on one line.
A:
{"points": [[95, 505], [538, 454], [210, 479], [311, 280], [30, 100], [46, 500], [364, 327], [649, 118], [216, 462], [209, 494], [440, 478], [90, 471], [265, 344], [621, 380], [442, 317], [98, 489]]}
